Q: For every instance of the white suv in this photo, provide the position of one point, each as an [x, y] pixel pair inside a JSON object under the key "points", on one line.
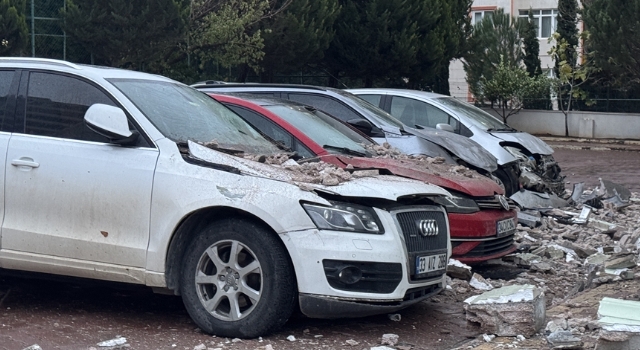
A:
{"points": [[106, 176]]}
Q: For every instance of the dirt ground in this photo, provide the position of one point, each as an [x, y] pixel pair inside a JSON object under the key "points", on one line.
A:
{"points": [[77, 314]]}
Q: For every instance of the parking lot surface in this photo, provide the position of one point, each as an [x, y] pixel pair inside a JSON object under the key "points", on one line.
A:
{"points": [[77, 314]]}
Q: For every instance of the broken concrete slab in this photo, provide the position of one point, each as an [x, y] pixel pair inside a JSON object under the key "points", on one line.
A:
{"points": [[618, 341], [554, 253], [529, 218], [456, 269], [526, 259], [564, 340], [620, 261], [597, 259], [620, 321], [604, 227], [390, 339], [508, 311]]}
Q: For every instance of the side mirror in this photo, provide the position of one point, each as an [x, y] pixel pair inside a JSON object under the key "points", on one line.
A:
{"points": [[445, 127], [110, 122], [361, 124]]}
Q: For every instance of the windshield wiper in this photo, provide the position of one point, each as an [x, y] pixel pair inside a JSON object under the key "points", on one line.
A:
{"points": [[345, 150]]}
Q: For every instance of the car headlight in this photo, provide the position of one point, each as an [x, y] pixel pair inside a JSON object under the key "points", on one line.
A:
{"points": [[457, 203], [519, 155], [341, 216]]}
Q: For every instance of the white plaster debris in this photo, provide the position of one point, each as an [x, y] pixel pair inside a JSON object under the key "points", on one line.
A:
{"points": [[520, 337], [291, 338], [488, 337], [200, 347], [351, 342], [478, 282], [33, 347], [381, 348], [507, 294], [389, 339], [113, 342], [619, 315]]}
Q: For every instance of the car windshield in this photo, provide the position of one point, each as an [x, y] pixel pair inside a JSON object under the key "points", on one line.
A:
{"points": [[481, 118], [322, 129], [380, 116], [182, 113]]}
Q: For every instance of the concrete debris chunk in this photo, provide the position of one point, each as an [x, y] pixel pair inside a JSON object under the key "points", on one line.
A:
{"points": [[113, 342], [620, 321], [620, 261], [200, 347], [456, 269], [508, 311], [526, 259], [597, 259], [478, 282], [389, 339], [529, 218], [33, 347], [564, 340], [488, 337], [395, 317], [351, 342], [291, 338], [381, 348]]}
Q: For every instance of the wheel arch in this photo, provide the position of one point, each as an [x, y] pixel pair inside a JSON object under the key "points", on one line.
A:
{"points": [[189, 226]]}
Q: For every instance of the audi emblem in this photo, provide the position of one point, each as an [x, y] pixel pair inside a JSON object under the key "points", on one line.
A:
{"points": [[503, 202], [428, 228]]}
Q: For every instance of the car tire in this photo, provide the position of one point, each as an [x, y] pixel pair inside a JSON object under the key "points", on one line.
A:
{"points": [[237, 280], [510, 184]]}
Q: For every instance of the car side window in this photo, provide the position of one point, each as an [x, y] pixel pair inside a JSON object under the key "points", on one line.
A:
{"points": [[409, 111], [264, 125], [326, 104], [302, 150], [373, 99], [56, 105], [6, 78]]}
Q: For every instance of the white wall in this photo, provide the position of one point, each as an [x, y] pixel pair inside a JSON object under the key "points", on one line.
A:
{"points": [[581, 124]]}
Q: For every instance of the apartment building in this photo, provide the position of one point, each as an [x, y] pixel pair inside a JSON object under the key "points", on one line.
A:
{"points": [[544, 11]]}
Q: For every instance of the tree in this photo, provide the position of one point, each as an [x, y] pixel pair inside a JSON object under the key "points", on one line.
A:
{"points": [[614, 39], [509, 87], [13, 27], [531, 46], [126, 33], [571, 74], [297, 37], [495, 40], [567, 30]]}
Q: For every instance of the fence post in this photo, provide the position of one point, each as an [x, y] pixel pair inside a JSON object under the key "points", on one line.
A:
{"points": [[33, 30]]}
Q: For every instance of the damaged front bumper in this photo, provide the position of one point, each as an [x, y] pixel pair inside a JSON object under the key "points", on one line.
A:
{"points": [[347, 274], [539, 173]]}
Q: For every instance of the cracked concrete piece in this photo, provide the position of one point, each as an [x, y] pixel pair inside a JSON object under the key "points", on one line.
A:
{"points": [[619, 315], [508, 311], [456, 269], [620, 261], [564, 340], [597, 259], [478, 282], [390, 339]]}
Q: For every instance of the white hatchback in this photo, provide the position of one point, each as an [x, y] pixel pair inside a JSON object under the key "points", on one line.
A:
{"points": [[124, 176]]}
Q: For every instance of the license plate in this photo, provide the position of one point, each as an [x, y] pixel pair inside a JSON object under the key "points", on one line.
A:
{"points": [[430, 263], [505, 227]]}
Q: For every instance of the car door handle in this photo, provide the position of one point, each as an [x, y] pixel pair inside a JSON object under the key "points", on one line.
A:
{"points": [[24, 161]]}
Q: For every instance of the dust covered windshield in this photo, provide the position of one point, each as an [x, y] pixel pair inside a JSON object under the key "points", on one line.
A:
{"points": [[182, 113]]}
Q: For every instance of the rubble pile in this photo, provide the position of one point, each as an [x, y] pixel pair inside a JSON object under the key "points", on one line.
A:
{"points": [[317, 173], [592, 242], [436, 165]]}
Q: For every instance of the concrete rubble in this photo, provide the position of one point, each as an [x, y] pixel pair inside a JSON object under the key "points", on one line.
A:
{"points": [[508, 311], [620, 322], [586, 247], [389, 339]]}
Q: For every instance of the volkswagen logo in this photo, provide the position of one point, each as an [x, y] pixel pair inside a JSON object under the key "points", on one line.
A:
{"points": [[503, 202], [428, 227]]}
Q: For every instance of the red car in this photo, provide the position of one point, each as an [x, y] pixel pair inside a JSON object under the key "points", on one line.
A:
{"points": [[482, 220]]}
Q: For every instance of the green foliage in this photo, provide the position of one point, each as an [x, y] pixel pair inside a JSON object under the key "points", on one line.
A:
{"points": [[571, 74], [509, 87], [568, 31], [13, 27], [126, 33], [531, 46], [615, 39], [297, 37], [495, 41]]}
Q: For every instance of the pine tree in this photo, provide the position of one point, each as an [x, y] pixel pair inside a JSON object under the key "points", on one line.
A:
{"points": [[13, 27], [568, 30], [297, 37], [614, 39], [531, 46]]}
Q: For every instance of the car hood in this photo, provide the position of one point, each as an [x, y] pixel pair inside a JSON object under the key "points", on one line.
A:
{"points": [[379, 186], [528, 141], [436, 174], [463, 147]]}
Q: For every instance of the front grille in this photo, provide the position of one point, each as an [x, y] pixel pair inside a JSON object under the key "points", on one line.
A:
{"points": [[493, 203], [410, 225], [375, 277], [416, 293], [491, 247]]}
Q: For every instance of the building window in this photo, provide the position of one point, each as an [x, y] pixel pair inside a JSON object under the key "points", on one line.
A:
{"points": [[479, 15], [546, 21]]}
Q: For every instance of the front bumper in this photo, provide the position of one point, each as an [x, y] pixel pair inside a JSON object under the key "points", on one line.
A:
{"points": [[474, 236], [310, 250]]}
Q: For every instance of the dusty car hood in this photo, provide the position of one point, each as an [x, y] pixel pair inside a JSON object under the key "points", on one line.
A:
{"points": [[477, 186], [464, 148], [528, 141], [380, 186]]}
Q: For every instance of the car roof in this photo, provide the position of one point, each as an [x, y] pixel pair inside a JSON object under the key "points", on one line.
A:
{"points": [[402, 92], [211, 86], [77, 69]]}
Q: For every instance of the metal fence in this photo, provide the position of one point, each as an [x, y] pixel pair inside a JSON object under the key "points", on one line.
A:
{"points": [[46, 37]]}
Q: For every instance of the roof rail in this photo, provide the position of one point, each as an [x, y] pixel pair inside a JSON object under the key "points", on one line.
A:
{"points": [[39, 60], [211, 84]]}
